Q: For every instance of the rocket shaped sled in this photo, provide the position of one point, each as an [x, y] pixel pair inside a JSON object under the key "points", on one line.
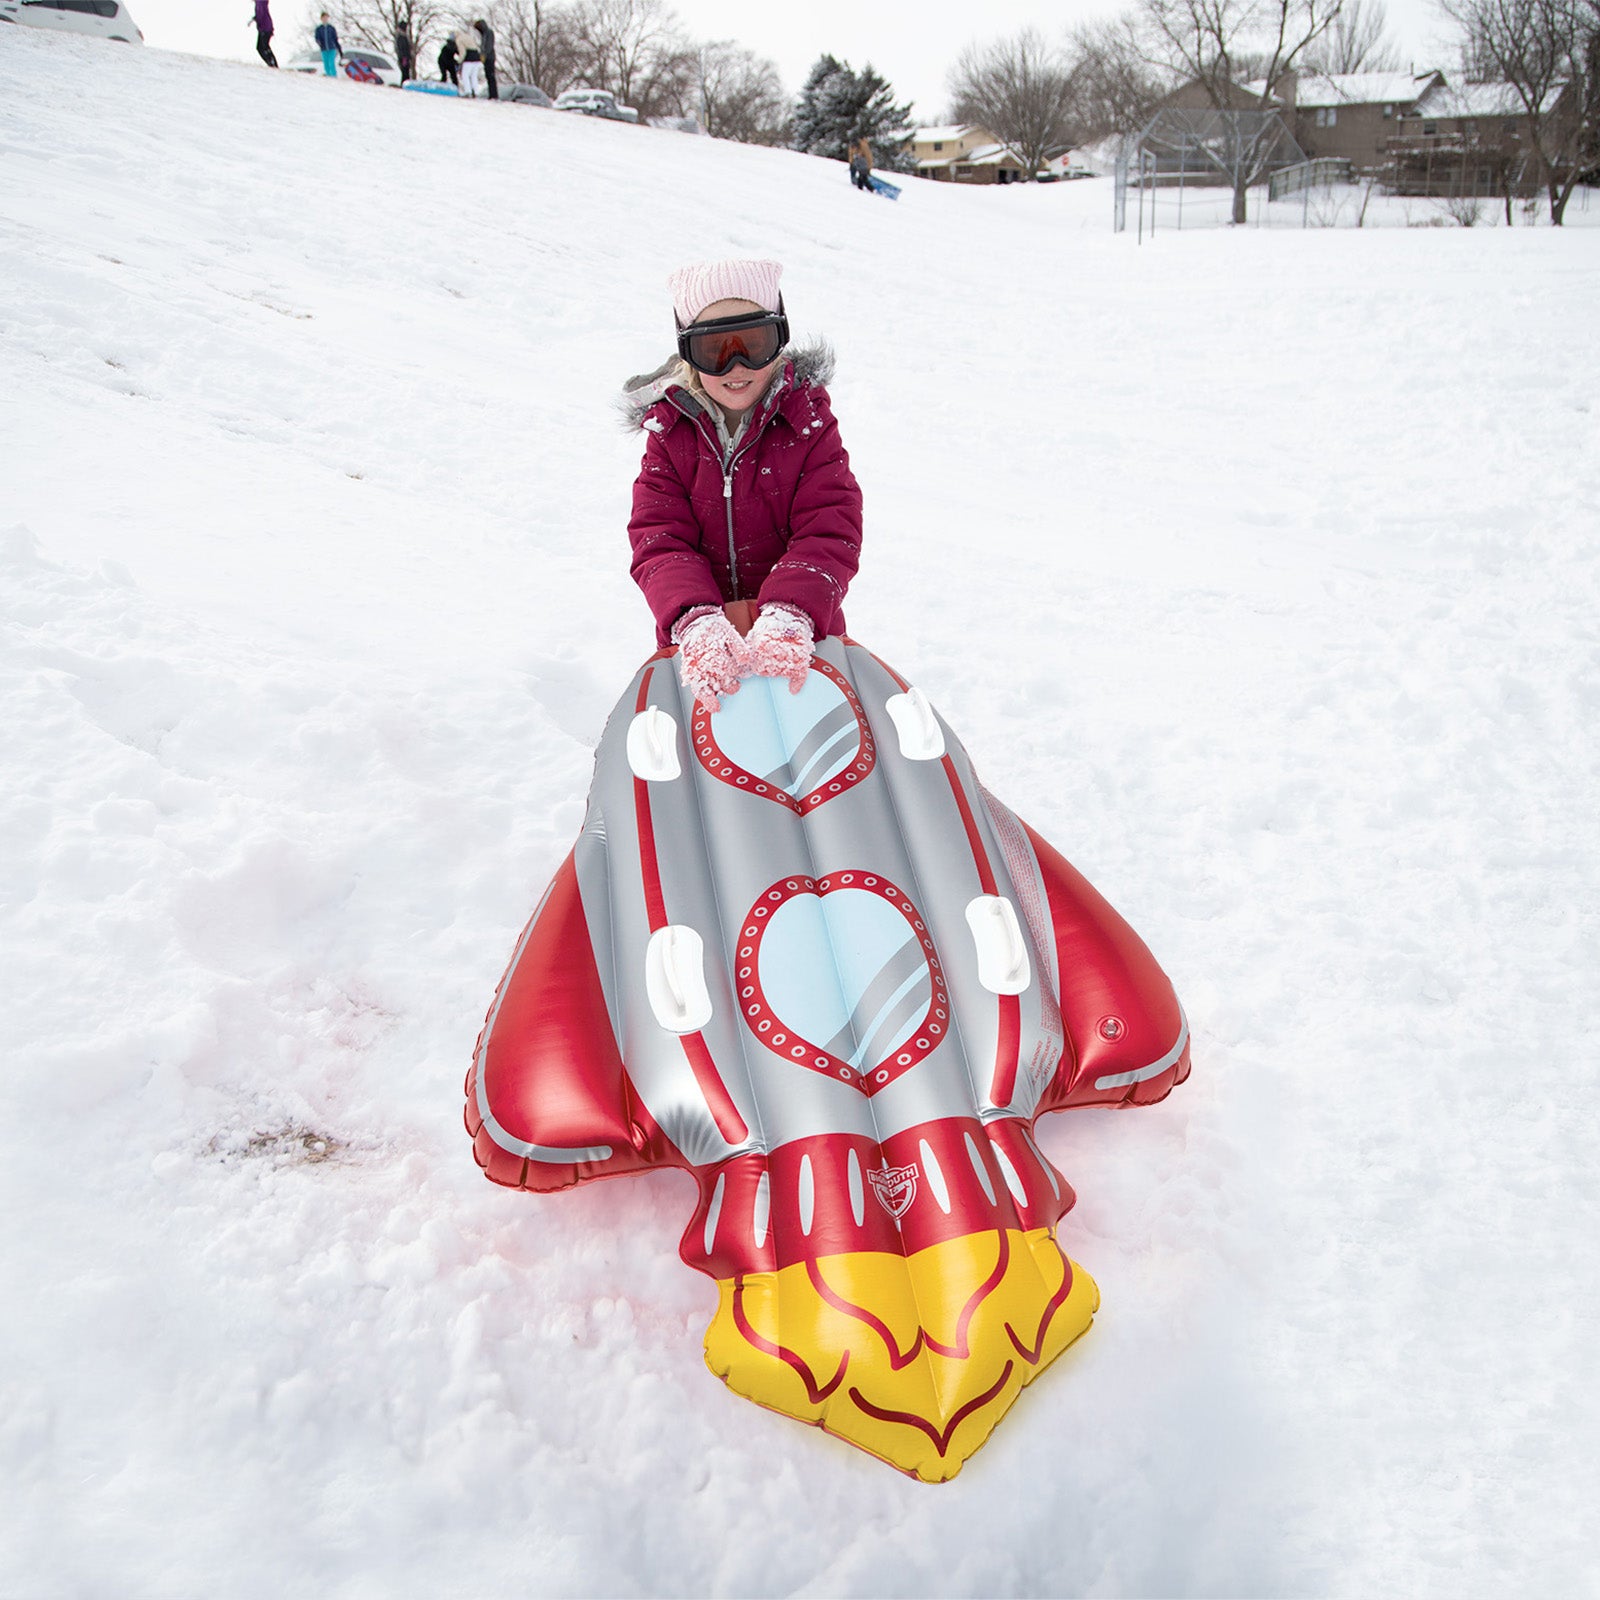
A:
{"points": [[799, 951]]}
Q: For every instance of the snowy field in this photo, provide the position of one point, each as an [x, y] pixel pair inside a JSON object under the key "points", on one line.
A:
{"points": [[1258, 571]]}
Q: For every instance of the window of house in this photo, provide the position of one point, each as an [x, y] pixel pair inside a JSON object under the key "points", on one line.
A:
{"points": [[1388, 111], [1430, 127], [1327, 117], [937, 148]]}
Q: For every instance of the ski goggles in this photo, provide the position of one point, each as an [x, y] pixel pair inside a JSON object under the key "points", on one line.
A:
{"points": [[751, 339]]}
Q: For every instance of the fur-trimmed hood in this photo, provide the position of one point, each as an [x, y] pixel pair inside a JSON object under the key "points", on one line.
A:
{"points": [[770, 513], [805, 366]]}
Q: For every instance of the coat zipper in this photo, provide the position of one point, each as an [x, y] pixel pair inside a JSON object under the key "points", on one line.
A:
{"points": [[727, 502], [728, 464]]}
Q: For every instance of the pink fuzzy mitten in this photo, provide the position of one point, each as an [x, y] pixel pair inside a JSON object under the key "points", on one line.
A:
{"points": [[710, 654], [779, 645]]}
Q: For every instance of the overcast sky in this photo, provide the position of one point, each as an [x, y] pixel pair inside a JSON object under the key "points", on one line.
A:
{"points": [[911, 42]]}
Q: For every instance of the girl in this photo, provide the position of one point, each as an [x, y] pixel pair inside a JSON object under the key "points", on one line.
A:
{"points": [[745, 492], [470, 46]]}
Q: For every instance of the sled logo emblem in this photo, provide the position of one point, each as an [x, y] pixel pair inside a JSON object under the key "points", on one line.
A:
{"points": [[895, 1187]]}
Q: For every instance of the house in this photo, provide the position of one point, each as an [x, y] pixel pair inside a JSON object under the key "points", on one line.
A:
{"points": [[1473, 140], [1198, 95], [1351, 116], [963, 153], [1191, 140]]}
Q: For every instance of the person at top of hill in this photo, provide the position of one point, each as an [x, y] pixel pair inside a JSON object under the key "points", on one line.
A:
{"points": [[449, 61], [327, 37], [486, 47], [405, 51], [263, 26], [471, 49], [745, 491]]}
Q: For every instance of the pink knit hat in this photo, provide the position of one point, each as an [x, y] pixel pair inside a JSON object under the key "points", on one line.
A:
{"points": [[706, 282]]}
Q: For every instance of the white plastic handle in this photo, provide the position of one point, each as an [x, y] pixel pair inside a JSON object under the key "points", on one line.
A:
{"points": [[653, 746], [921, 737], [675, 979], [1003, 965]]}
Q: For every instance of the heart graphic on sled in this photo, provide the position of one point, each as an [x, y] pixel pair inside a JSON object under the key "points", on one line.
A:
{"points": [[797, 750], [839, 975]]}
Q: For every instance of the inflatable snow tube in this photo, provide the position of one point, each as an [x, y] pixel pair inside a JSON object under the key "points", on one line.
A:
{"points": [[801, 952]]}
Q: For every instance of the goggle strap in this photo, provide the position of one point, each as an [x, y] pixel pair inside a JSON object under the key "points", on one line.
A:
{"points": [[719, 323]]}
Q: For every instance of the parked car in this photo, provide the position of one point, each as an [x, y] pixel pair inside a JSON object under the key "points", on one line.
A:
{"points": [[526, 94], [103, 19], [595, 103], [365, 61]]}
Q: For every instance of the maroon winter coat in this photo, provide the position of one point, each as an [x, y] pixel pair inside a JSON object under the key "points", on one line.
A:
{"points": [[780, 521]]}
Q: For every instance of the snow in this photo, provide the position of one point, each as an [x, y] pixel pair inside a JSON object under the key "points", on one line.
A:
{"points": [[314, 585], [950, 131], [1484, 100], [1359, 88]]}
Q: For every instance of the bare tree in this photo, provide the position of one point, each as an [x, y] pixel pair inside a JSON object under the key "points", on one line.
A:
{"points": [[373, 22], [1549, 52], [1217, 43], [536, 44], [635, 49], [737, 95], [1358, 41], [1116, 89], [664, 85], [1022, 91]]}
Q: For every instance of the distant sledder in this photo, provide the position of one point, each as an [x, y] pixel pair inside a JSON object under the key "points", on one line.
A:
{"points": [[861, 174]]}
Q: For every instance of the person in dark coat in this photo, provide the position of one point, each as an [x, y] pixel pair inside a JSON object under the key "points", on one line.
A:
{"points": [[405, 52], [486, 33], [449, 61], [328, 43], [263, 21]]}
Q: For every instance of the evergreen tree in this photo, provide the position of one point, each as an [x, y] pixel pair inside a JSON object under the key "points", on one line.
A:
{"points": [[838, 105], [809, 134]]}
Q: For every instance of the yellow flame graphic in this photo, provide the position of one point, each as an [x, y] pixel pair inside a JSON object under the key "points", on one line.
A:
{"points": [[913, 1358]]}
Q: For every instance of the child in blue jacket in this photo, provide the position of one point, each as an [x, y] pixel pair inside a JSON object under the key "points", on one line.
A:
{"points": [[328, 44]]}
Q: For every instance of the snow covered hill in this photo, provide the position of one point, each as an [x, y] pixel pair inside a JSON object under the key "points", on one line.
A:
{"points": [[1258, 571]]}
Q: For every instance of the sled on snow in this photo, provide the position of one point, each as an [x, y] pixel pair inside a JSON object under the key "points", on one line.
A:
{"points": [[799, 951]]}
